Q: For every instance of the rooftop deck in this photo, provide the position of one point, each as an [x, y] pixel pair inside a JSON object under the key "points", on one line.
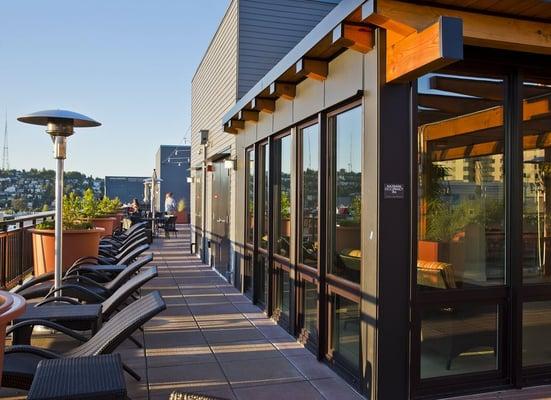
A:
{"points": [[212, 340]]}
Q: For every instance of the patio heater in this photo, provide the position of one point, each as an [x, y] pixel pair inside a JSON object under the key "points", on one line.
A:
{"points": [[59, 125]]}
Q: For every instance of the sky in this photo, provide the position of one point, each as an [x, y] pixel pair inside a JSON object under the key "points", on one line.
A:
{"points": [[126, 63]]}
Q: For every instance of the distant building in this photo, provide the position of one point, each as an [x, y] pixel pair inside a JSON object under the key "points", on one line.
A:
{"points": [[172, 163], [125, 188]]}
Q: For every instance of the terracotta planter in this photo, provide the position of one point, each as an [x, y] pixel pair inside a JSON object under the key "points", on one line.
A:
{"points": [[11, 306], [182, 217], [433, 251], [348, 237], [107, 223], [76, 244]]}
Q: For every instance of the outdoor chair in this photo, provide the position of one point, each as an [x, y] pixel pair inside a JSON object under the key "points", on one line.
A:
{"points": [[21, 361], [110, 306], [129, 257], [169, 225], [107, 251], [118, 256], [119, 242], [82, 286]]}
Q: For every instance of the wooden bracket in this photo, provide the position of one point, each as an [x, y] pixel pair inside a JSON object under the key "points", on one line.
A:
{"points": [[354, 36], [248, 115], [284, 90], [264, 105], [419, 53], [314, 69], [229, 129]]}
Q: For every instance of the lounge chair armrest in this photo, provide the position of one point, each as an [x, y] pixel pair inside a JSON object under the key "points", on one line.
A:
{"points": [[48, 324], [83, 278], [77, 288], [61, 299], [85, 258], [22, 348], [90, 272], [39, 279]]}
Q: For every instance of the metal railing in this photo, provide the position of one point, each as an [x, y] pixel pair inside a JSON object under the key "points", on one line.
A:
{"points": [[16, 247]]}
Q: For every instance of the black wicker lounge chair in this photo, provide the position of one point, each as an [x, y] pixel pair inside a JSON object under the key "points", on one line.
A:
{"points": [[20, 362], [109, 307], [83, 286]]}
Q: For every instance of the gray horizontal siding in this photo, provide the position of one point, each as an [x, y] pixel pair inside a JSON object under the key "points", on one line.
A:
{"points": [[268, 29]]}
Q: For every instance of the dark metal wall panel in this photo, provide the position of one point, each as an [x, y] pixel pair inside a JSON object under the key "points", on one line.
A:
{"points": [[172, 163], [268, 29], [125, 188]]}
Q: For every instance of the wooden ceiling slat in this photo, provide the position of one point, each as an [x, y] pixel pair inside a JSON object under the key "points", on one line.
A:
{"points": [[455, 104], [538, 9]]}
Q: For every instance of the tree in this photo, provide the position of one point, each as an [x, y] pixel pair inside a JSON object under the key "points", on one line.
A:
{"points": [[19, 204]]}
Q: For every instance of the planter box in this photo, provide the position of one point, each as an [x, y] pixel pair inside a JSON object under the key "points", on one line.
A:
{"points": [[107, 223], [76, 244]]}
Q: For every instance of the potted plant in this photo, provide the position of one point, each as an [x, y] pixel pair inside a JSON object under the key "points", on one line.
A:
{"points": [[99, 212], [181, 214], [80, 238]]}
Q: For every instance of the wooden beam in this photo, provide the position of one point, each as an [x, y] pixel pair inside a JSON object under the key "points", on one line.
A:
{"points": [[454, 104], [376, 18], [435, 47], [314, 69], [354, 36], [478, 29], [264, 105], [484, 120], [248, 115], [236, 124], [491, 90], [283, 89], [229, 129]]}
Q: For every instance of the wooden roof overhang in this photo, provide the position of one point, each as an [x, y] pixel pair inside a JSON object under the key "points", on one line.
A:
{"points": [[420, 39]]}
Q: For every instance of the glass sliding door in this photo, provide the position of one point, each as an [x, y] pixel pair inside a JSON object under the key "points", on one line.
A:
{"points": [[249, 221], [198, 212], [282, 158], [308, 247], [536, 226], [461, 230], [261, 272], [345, 132]]}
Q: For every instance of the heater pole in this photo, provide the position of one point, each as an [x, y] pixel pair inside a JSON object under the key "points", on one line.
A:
{"points": [[60, 147]]}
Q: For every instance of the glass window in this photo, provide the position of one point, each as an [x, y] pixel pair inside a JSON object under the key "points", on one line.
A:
{"points": [[346, 333], [198, 213], [310, 310], [264, 186], [461, 226], [308, 240], [261, 279], [250, 196], [347, 200], [248, 274], [458, 339], [282, 200], [284, 291], [536, 138], [536, 331]]}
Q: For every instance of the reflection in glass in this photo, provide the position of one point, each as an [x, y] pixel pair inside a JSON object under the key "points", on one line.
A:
{"points": [[347, 173], [261, 279], [458, 339], [461, 196], [248, 274], [282, 200], [250, 196], [311, 310], [263, 198], [308, 253], [346, 333], [284, 292], [536, 332], [536, 126]]}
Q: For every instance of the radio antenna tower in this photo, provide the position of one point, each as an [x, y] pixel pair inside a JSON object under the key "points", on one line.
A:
{"points": [[5, 155]]}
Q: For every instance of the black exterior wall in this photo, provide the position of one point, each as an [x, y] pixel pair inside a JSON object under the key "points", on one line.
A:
{"points": [[394, 239]]}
